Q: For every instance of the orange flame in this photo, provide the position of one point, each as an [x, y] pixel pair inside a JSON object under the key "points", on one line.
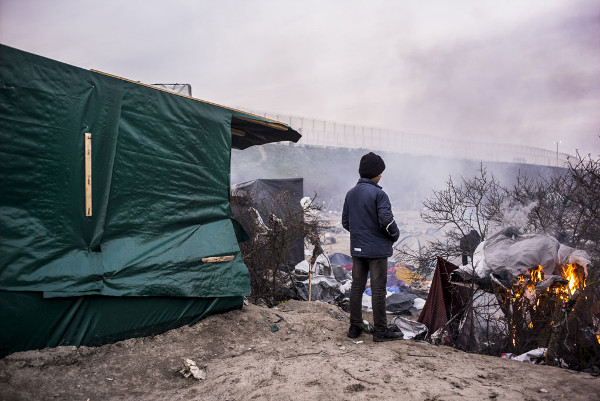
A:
{"points": [[537, 275], [525, 285], [523, 293], [575, 276]]}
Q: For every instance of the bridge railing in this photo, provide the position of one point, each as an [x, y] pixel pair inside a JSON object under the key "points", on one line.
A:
{"points": [[325, 133]]}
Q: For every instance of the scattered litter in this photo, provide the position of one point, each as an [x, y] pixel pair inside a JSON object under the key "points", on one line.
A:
{"points": [[532, 356], [543, 390], [341, 317], [274, 328], [190, 369], [410, 328], [358, 342], [342, 348], [279, 318], [110, 378]]}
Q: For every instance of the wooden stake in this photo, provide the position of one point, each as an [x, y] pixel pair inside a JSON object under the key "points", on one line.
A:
{"points": [[88, 174], [310, 266], [238, 132]]}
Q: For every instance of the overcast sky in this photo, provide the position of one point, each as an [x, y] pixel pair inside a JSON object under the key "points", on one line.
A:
{"points": [[514, 71]]}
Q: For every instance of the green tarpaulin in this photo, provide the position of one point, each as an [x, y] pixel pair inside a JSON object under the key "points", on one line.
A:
{"points": [[160, 166]]}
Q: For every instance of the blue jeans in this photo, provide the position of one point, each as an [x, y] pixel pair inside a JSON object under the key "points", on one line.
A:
{"points": [[361, 267]]}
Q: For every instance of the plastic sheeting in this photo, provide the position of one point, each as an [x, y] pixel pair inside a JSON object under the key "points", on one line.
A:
{"points": [[322, 288], [399, 303], [411, 329], [159, 204], [29, 321], [340, 259], [160, 186], [509, 254]]}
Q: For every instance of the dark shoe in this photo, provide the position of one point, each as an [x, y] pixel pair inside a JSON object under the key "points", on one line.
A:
{"points": [[387, 335], [354, 331]]}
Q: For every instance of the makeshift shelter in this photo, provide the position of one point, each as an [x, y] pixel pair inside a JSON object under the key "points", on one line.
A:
{"points": [[445, 299], [114, 217], [516, 287]]}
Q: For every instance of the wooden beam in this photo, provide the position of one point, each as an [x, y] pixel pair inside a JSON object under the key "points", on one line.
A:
{"points": [[237, 132], [214, 259], [275, 125], [88, 174]]}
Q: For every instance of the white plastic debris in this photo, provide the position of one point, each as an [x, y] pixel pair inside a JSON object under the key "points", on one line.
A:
{"points": [[410, 328], [419, 303], [529, 356], [306, 202], [190, 369]]}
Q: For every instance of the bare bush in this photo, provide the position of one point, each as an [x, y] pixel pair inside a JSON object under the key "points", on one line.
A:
{"points": [[277, 227], [565, 205], [463, 206]]}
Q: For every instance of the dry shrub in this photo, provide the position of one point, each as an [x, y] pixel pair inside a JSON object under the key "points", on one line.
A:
{"points": [[277, 227]]}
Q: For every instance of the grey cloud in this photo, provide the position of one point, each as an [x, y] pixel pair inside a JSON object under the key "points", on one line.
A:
{"points": [[525, 73]]}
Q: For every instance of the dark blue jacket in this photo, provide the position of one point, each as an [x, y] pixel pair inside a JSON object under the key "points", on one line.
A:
{"points": [[368, 216]]}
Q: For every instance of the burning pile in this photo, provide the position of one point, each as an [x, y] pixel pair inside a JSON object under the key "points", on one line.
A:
{"points": [[533, 304], [541, 289], [536, 288]]}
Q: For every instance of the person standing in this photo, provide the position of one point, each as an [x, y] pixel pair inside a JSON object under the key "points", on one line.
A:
{"points": [[368, 216]]}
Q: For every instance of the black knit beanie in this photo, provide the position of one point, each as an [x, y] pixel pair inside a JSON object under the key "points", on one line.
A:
{"points": [[371, 165]]}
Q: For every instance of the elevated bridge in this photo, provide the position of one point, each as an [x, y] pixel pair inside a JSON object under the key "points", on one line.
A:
{"points": [[339, 135]]}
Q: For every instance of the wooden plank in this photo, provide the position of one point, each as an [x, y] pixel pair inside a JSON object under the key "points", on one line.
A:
{"points": [[214, 259], [88, 174], [238, 132], [277, 125]]}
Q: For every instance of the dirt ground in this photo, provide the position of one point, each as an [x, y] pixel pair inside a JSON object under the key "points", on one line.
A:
{"points": [[309, 357]]}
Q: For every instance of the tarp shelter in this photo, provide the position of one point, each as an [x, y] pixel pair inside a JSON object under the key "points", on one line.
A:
{"points": [[445, 300], [278, 196], [115, 195]]}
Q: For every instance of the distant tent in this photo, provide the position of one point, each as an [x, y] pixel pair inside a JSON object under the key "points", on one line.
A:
{"points": [[340, 259], [146, 242]]}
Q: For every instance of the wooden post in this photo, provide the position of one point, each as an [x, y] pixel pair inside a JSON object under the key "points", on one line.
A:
{"points": [[310, 267], [88, 174]]}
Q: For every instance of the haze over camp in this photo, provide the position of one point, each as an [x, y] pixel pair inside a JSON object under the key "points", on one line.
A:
{"points": [[524, 73], [299, 200]]}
